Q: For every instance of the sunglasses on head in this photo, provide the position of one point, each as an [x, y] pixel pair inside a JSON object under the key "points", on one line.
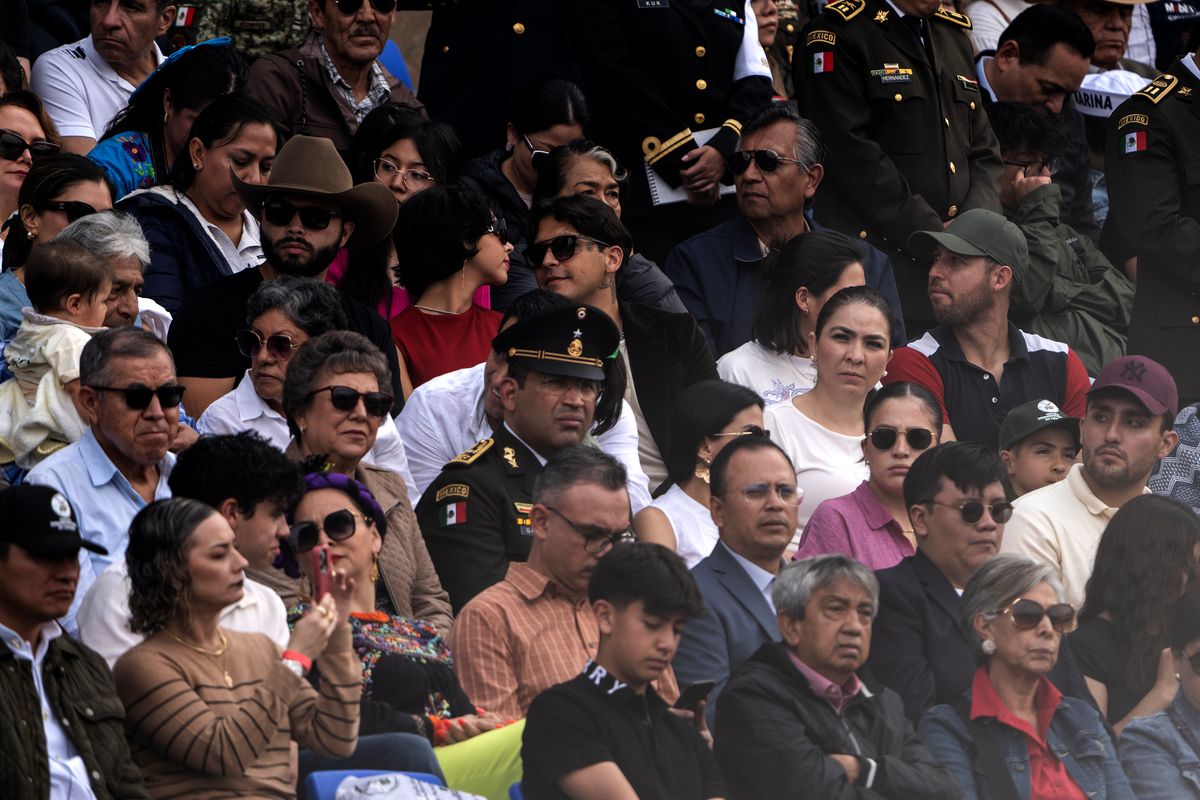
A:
{"points": [[74, 209], [314, 218], [884, 438], [749, 430], [251, 344], [138, 397], [343, 398], [12, 145], [348, 7], [1027, 615], [561, 247], [338, 526], [765, 160], [972, 510]]}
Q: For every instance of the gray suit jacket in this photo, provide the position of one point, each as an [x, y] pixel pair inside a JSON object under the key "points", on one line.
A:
{"points": [[736, 623]]}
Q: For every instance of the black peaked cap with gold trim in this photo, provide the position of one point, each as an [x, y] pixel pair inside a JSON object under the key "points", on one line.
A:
{"points": [[573, 341]]}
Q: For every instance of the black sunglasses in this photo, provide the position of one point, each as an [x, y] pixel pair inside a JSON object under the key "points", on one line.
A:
{"points": [[348, 7], [563, 248], [884, 438], [138, 397], [765, 160], [1027, 615], [314, 218], [74, 209], [343, 398], [499, 227], [12, 145], [278, 345], [338, 526], [536, 154], [972, 510]]}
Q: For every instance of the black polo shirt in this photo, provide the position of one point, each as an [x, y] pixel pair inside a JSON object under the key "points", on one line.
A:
{"points": [[972, 402], [594, 718]]}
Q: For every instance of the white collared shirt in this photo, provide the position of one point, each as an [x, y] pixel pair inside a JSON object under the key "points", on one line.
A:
{"points": [[68, 773], [764, 580], [981, 72], [104, 614], [80, 90], [246, 253]]}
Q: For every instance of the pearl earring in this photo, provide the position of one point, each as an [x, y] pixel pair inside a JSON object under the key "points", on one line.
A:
{"points": [[196, 166], [988, 647]]}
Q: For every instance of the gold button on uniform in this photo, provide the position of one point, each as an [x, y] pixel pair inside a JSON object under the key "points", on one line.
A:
{"points": [[953, 169], [791, 28], [702, 84], [898, 97], [518, 28], [950, 212], [699, 119], [947, 121], [1196, 320], [701, 52], [862, 234], [445, 48], [972, 105]]}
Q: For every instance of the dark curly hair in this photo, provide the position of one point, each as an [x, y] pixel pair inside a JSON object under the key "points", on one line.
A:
{"points": [[1145, 559], [159, 542]]}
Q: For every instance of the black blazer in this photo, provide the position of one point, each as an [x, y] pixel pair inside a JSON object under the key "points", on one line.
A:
{"points": [[667, 354]]}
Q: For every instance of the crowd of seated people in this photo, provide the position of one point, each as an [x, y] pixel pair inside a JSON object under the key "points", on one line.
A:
{"points": [[655, 400]]}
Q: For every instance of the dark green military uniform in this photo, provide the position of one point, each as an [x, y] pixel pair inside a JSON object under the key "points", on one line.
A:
{"points": [[1152, 163], [257, 27], [909, 145], [475, 515]]}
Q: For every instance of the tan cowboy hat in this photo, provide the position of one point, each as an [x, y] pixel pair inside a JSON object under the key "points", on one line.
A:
{"points": [[310, 165]]}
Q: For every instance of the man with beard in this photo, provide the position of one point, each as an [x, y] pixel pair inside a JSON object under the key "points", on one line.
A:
{"points": [[308, 209], [1125, 431], [978, 364]]}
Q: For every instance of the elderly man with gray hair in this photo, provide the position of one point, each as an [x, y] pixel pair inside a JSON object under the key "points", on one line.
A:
{"points": [[1013, 734], [117, 238], [800, 702]]}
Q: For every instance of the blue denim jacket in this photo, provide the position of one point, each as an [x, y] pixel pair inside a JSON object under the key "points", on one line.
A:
{"points": [[1161, 765], [1077, 737]]}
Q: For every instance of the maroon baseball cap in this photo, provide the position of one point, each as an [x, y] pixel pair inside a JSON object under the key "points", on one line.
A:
{"points": [[1145, 379]]}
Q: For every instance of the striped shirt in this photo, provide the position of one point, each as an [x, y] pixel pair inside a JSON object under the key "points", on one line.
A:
{"points": [[194, 736], [521, 636]]}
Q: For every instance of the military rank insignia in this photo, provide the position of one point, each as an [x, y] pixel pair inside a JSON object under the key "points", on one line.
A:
{"points": [[453, 514], [524, 521], [510, 457], [892, 73]]}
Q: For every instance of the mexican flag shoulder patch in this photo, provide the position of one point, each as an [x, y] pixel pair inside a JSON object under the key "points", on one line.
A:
{"points": [[452, 514]]}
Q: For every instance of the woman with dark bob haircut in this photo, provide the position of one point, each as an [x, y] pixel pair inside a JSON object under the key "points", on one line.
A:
{"points": [[800, 278], [708, 415], [211, 711], [449, 243], [1145, 559]]}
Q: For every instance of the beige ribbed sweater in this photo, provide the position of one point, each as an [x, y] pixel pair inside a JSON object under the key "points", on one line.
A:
{"points": [[192, 736]]}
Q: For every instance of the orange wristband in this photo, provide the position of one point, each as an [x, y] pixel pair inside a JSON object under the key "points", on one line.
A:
{"points": [[299, 658]]}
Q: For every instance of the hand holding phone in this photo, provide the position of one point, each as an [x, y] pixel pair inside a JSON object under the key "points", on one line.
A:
{"points": [[322, 572], [693, 695]]}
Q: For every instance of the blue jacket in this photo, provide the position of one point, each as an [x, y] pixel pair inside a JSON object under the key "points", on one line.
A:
{"points": [[1077, 736], [718, 275], [1160, 763]]}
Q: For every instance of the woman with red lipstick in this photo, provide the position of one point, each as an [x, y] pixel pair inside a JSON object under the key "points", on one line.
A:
{"points": [[822, 430], [25, 132], [901, 420], [449, 243]]}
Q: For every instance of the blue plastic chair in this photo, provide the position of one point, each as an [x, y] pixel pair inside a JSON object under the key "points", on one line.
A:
{"points": [[323, 785], [515, 793], [393, 61]]}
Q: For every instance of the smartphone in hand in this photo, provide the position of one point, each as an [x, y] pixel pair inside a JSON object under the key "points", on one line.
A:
{"points": [[692, 696], [322, 571]]}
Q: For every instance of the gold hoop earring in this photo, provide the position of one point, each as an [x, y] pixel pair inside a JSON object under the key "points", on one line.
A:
{"points": [[375, 569]]}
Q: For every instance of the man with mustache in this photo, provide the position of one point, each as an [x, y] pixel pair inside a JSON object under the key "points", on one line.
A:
{"points": [[328, 85], [977, 363], [754, 502], [1127, 427], [308, 209]]}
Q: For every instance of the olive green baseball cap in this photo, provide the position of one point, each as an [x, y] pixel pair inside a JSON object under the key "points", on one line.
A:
{"points": [[977, 232]]}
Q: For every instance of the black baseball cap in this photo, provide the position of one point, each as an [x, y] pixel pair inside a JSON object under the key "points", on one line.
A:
{"points": [[1029, 418], [573, 341], [40, 520]]}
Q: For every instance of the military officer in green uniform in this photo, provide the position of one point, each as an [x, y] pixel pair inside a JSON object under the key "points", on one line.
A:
{"points": [[892, 88], [1152, 164], [475, 514]]}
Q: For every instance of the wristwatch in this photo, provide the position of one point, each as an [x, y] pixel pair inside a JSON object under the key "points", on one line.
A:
{"points": [[294, 666]]}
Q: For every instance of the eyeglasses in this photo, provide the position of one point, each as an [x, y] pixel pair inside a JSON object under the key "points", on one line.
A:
{"points": [[972, 510], [387, 171], [595, 541], [251, 344], [343, 398], [749, 430], [788, 494], [561, 247], [536, 155], [74, 209], [314, 218], [884, 438], [1027, 614], [12, 145], [338, 526], [138, 397], [499, 228], [1034, 168], [348, 7], [765, 160]]}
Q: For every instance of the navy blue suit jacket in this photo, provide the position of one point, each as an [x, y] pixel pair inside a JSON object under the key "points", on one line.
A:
{"points": [[736, 623]]}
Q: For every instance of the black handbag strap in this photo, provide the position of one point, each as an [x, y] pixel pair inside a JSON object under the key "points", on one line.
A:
{"points": [[1184, 729], [989, 748]]}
